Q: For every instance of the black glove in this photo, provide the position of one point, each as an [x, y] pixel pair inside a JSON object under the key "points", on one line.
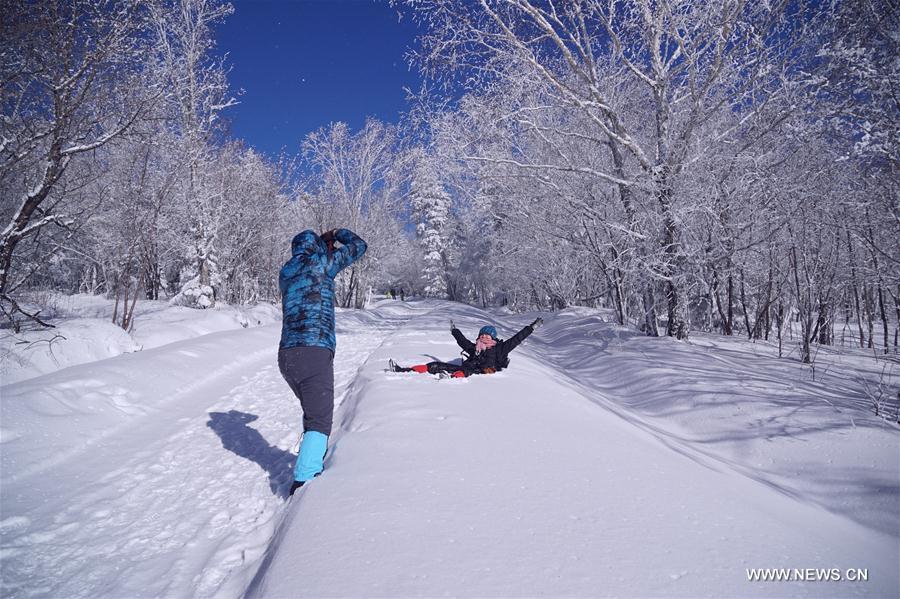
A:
{"points": [[537, 322]]}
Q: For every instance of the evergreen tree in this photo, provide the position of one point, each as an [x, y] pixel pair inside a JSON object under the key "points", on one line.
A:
{"points": [[431, 210]]}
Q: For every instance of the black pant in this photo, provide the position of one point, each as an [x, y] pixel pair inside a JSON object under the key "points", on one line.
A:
{"points": [[310, 373], [434, 368], [438, 367]]}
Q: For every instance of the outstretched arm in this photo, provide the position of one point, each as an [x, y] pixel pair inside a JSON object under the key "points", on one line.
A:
{"points": [[511, 343], [466, 345], [353, 249]]}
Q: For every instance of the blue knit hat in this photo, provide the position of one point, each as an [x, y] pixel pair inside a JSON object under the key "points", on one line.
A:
{"points": [[488, 330]]}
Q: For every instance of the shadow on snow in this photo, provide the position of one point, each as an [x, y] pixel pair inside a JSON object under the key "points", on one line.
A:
{"points": [[248, 443]]}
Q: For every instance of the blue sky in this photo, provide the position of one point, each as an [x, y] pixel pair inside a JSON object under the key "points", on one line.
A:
{"points": [[305, 63]]}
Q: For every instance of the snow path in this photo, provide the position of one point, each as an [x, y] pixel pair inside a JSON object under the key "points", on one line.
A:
{"points": [[163, 496], [518, 484]]}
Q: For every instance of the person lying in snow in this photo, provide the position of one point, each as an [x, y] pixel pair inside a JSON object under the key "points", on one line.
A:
{"points": [[487, 355]]}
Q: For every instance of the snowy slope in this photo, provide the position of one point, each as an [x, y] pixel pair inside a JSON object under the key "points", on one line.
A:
{"points": [[601, 463], [157, 473], [811, 434], [517, 484], [84, 332]]}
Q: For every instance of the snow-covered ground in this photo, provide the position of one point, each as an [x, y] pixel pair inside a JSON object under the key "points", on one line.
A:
{"points": [[84, 332], [601, 463]]}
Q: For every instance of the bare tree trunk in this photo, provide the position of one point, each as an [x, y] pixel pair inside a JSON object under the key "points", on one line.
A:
{"points": [[897, 327], [730, 312], [779, 323], [675, 326], [347, 300], [744, 308], [804, 310], [650, 318], [823, 324], [859, 316], [762, 315], [855, 289], [621, 315], [884, 321], [867, 302], [724, 318], [128, 320], [126, 286], [124, 291], [881, 307], [115, 315], [151, 271]]}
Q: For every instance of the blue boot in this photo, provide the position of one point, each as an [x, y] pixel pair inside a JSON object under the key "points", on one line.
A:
{"points": [[312, 452]]}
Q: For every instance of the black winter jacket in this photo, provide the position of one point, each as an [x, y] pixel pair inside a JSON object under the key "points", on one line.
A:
{"points": [[490, 360]]}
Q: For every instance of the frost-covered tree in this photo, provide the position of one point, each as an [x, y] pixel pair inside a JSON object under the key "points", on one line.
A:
{"points": [[198, 91], [254, 229], [724, 165], [356, 181], [645, 77], [431, 210], [858, 84], [72, 83], [858, 102]]}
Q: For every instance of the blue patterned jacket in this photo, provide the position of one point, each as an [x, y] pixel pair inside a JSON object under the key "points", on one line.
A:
{"points": [[307, 287]]}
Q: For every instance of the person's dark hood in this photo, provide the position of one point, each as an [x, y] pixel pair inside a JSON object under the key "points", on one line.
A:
{"points": [[307, 243]]}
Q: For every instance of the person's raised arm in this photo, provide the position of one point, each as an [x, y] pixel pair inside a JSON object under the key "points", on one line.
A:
{"points": [[511, 343], [466, 345], [353, 249]]}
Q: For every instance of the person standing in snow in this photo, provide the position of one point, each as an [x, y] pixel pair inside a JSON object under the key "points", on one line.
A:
{"points": [[306, 351], [487, 355]]}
